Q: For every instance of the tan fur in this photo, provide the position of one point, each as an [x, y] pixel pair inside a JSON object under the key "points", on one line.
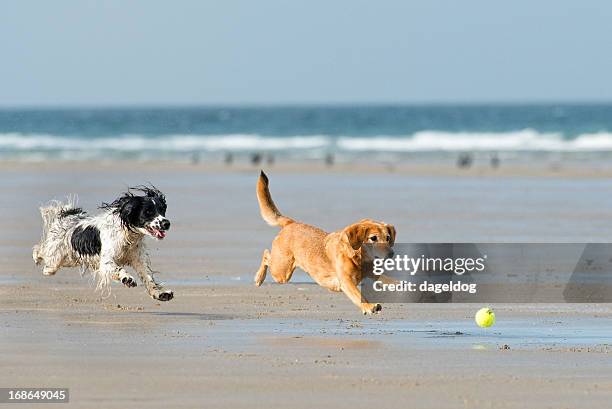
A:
{"points": [[333, 260], [267, 208]]}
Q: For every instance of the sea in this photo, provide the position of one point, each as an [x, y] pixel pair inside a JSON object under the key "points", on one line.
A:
{"points": [[380, 132]]}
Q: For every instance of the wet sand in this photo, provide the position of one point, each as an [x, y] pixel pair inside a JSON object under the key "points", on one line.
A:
{"points": [[224, 343]]}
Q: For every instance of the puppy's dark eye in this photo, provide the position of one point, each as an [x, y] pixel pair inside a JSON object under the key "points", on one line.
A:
{"points": [[373, 238], [388, 237]]}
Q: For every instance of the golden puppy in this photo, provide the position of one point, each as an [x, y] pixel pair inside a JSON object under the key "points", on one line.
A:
{"points": [[333, 260]]}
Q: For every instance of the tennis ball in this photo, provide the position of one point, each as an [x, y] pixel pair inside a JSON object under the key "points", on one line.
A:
{"points": [[485, 317]]}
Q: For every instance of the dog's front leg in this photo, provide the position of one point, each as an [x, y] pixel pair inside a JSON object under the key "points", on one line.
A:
{"points": [[349, 288], [110, 270], [142, 265]]}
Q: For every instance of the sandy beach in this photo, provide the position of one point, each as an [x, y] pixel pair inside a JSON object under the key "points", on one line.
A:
{"points": [[476, 137], [224, 343]]}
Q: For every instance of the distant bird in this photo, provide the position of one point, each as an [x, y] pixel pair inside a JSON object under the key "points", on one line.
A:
{"points": [[256, 159], [229, 158], [495, 162], [329, 159], [195, 158], [464, 161]]}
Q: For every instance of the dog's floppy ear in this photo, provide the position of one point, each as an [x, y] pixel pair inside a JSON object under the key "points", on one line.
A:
{"points": [[129, 209], [338, 243], [391, 229], [355, 234]]}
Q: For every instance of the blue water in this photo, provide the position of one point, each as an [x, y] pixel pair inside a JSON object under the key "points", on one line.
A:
{"points": [[304, 131]]}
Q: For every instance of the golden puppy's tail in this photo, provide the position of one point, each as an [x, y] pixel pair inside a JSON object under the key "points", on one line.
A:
{"points": [[268, 209]]}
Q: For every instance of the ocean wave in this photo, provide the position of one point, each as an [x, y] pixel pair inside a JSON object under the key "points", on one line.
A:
{"points": [[169, 143], [524, 140], [423, 141]]}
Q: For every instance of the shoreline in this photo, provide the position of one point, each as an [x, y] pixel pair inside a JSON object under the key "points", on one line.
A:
{"points": [[573, 170]]}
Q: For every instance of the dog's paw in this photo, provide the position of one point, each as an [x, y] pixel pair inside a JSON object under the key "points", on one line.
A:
{"points": [[128, 281], [371, 308], [37, 259], [165, 295], [49, 271], [121, 276]]}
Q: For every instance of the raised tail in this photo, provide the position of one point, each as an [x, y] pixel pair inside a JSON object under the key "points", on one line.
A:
{"points": [[267, 208], [50, 213], [57, 210]]}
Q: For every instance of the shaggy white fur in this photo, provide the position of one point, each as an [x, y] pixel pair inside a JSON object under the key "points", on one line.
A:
{"points": [[103, 244]]}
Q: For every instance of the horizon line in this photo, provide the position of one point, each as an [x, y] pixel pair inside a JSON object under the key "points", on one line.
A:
{"points": [[332, 104]]}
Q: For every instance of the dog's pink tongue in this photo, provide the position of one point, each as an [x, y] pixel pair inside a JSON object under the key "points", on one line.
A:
{"points": [[161, 234]]}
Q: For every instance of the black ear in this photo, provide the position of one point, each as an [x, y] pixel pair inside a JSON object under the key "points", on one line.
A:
{"points": [[129, 210]]}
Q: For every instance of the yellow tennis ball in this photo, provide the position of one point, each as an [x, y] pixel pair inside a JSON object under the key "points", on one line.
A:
{"points": [[485, 317]]}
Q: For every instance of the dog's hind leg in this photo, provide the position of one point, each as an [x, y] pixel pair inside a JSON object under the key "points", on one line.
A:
{"points": [[36, 254], [282, 265], [260, 276], [50, 270], [50, 264]]}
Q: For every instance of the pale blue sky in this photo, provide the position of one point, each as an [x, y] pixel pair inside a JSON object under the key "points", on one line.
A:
{"points": [[119, 52]]}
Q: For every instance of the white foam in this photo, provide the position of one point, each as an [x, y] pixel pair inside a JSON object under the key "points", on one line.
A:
{"points": [[525, 140], [423, 141], [241, 142], [169, 143]]}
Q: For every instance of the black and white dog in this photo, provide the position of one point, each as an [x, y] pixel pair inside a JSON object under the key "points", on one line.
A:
{"points": [[105, 243]]}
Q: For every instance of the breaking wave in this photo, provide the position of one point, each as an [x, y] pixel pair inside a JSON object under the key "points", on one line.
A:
{"points": [[44, 145]]}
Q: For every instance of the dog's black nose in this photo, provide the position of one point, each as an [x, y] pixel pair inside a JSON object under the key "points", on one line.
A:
{"points": [[391, 253], [165, 224]]}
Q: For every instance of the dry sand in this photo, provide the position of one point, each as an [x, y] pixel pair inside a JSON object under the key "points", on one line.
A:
{"points": [[224, 343]]}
